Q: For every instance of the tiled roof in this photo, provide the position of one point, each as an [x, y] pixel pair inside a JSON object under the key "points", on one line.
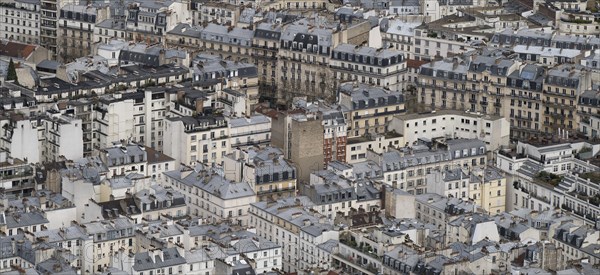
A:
{"points": [[16, 50]]}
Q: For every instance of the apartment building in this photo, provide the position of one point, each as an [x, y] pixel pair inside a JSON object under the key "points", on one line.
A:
{"points": [[475, 84], [575, 22], [151, 55], [438, 210], [296, 5], [134, 116], [247, 132], [485, 187], [304, 53], [282, 221], [381, 67], [334, 128], [196, 139], [357, 147], [562, 87], [108, 29], [159, 260], [404, 7], [576, 242], [108, 238], [18, 135], [212, 197], [581, 197], [238, 93], [150, 21], [124, 158], [490, 84], [83, 109], [263, 255], [492, 129], [63, 138], [589, 111], [451, 183], [334, 196], [189, 101], [76, 26], [431, 42], [538, 169], [227, 42], [16, 176], [368, 109], [114, 120], [548, 56], [16, 223], [436, 9], [547, 38], [318, 243], [21, 20], [400, 35], [265, 46], [73, 239], [42, 138], [526, 86], [214, 12], [268, 173], [472, 228], [297, 134], [407, 168], [49, 21], [330, 193]]}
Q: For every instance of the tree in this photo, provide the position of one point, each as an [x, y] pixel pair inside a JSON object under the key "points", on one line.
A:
{"points": [[12, 72]]}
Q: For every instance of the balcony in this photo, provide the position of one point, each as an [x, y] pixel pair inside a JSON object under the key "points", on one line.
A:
{"points": [[520, 117], [356, 264], [226, 101], [484, 103], [276, 190], [378, 114], [558, 94]]}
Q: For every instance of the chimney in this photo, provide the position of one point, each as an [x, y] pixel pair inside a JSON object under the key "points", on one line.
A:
{"points": [[161, 57]]}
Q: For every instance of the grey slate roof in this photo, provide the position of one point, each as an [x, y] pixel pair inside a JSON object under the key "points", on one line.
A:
{"points": [[124, 155], [22, 219], [214, 184], [147, 261], [247, 121]]}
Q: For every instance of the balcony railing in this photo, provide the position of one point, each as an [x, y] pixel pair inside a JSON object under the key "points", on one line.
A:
{"points": [[276, 190]]}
